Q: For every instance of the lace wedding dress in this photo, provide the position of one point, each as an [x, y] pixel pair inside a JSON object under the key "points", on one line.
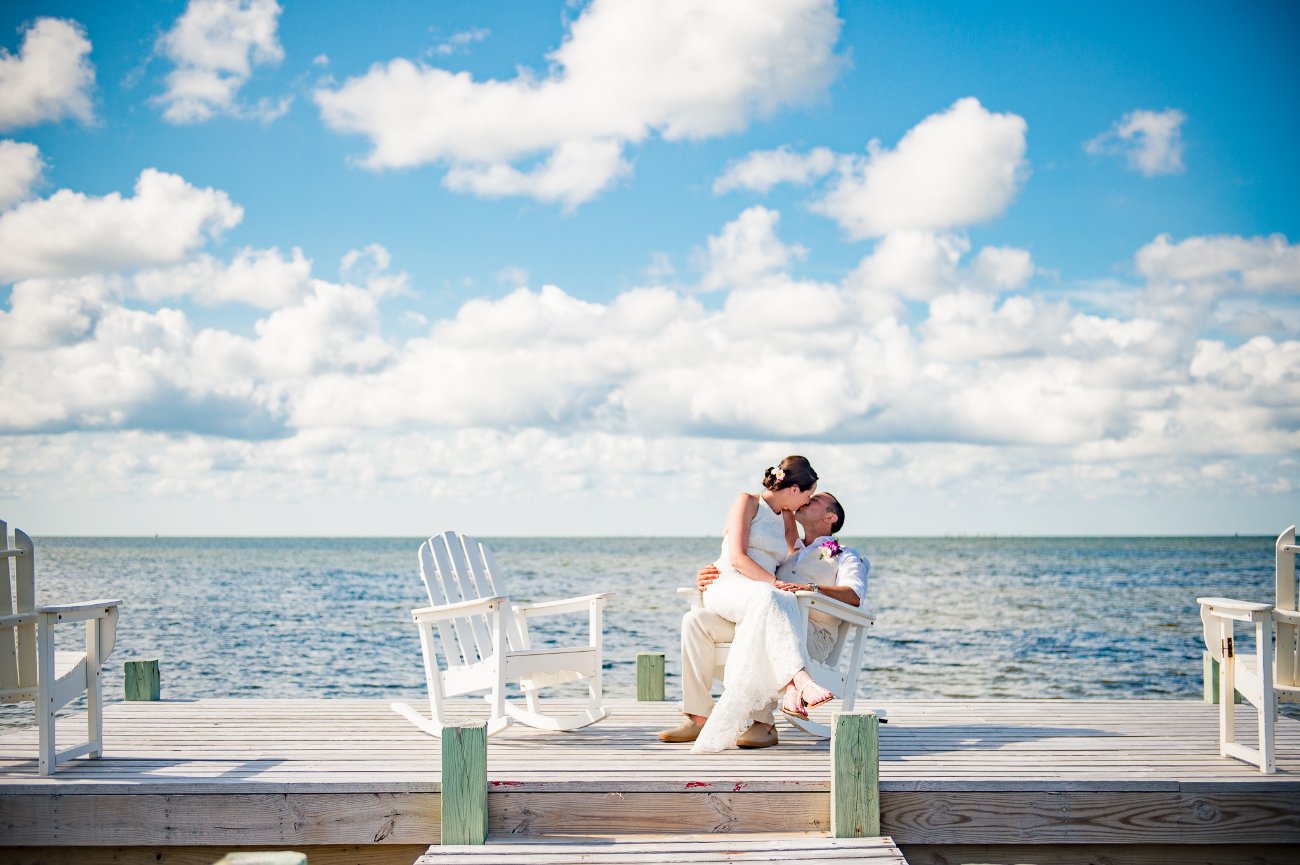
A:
{"points": [[768, 648]]}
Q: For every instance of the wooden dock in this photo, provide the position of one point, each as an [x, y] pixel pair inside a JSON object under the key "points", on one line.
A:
{"points": [[350, 781]]}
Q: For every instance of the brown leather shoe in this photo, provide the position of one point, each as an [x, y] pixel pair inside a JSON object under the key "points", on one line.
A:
{"points": [[686, 731], [757, 736]]}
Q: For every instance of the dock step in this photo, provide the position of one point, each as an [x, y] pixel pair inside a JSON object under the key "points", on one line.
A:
{"points": [[801, 847]]}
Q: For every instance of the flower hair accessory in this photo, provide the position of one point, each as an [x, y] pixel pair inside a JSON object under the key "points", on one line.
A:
{"points": [[777, 472], [830, 549]]}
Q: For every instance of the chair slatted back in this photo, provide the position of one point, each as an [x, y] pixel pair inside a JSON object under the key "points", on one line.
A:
{"points": [[1288, 635], [17, 644], [456, 569]]}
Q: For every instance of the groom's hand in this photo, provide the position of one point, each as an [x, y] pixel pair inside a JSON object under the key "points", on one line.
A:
{"points": [[707, 575]]}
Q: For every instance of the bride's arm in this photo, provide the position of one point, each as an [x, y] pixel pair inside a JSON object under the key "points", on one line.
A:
{"points": [[738, 521]]}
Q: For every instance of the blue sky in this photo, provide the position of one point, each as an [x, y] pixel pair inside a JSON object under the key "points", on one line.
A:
{"points": [[587, 268]]}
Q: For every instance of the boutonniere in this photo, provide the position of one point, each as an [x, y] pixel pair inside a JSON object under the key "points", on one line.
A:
{"points": [[829, 549]]}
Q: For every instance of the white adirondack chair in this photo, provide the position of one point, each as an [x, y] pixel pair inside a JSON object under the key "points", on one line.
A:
{"points": [[485, 644], [1268, 675], [838, 673], [31, 669]]}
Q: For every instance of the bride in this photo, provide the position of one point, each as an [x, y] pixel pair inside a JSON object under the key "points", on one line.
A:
{"points": [[768, 651]]}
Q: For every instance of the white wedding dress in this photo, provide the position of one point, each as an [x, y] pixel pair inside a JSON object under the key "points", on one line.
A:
{"points": [[768, 648]]}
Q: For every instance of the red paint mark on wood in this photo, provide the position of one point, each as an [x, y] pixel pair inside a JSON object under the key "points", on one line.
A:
{"points": [[690, 784], [507, 783]]}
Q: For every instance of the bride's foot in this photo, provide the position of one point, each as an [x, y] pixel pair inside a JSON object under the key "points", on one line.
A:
{"points": [[798, 701], [792, 704], [814, 694]]}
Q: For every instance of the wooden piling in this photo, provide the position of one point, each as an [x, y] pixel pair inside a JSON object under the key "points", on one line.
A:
{"points": [[855, 775], [464, 783], [650, 676], [1210, 680], [143, 681]]}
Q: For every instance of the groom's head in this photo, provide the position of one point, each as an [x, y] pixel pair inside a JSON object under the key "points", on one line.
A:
{"points": [[823, 515]]}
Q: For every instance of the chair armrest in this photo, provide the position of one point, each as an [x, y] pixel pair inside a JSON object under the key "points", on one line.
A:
{"points": [[566, 605], [1290, 617], [79, 612], [693, 596], [458, 610], [17, 619], [840, 610], [1240, 611]]}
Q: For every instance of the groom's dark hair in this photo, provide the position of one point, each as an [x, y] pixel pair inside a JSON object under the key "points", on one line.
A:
{"points": [[835, 508]]}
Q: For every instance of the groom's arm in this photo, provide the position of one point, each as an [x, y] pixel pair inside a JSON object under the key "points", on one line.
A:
{"points": [[850, 578]]}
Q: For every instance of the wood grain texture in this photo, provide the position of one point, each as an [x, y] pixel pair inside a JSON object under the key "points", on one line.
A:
{"points": [[670, 849], [855, 778], [464, 812], [292, 773], [650, 676], [316, 855], [143, 680]]}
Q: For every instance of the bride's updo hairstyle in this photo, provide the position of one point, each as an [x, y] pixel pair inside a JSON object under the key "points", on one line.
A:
{"points": [[794, 471]]}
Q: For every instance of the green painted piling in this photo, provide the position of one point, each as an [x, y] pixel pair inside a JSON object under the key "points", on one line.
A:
{"points": [[855, 775], [143, 681], [650, 676], [464, 783], [1210, 680]]}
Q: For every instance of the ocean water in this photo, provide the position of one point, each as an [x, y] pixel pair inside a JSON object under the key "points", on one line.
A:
{"points": [[957, 618]]}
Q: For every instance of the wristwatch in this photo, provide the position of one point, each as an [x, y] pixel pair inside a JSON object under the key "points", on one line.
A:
{"points": [[813, 587]]}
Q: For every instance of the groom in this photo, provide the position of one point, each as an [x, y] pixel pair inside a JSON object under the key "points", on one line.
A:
{"points": [[703, 629]]}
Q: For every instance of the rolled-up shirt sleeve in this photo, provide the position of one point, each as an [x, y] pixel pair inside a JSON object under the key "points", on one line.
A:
{"points": [[852, 573]]}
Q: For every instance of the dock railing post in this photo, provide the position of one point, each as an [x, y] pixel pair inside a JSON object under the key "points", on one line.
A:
{"points": [[143, 681], [1210, 680], [464, 783], [650, 677], [855, 775]]}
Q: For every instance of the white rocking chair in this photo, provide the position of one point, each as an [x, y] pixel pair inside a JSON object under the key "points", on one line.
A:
{"points": [[485, 642], [1268, 675], [31, 669], [837, 674]]}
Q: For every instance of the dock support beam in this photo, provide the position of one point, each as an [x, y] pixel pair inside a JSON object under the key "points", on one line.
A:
{"points": [[650, 676], [464, 783], [143, 681], [855, 775]]}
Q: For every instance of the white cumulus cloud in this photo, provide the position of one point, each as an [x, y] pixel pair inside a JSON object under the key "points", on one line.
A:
{"points": [[49, 78], [1261, 263], [684, 69], [953, 169], [261, 278], [71, 233], [747, 251], [215, 45], [1150, 141], [20, 168], [761, 170]]}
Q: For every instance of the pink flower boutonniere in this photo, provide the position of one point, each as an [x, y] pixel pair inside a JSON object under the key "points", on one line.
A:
{"points": [[829, 549]]}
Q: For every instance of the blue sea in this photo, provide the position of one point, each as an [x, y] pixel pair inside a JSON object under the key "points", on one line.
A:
{"points": [[958, 618]]}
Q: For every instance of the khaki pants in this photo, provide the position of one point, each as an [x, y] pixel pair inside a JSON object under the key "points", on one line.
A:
{"points": [[702, 631]]}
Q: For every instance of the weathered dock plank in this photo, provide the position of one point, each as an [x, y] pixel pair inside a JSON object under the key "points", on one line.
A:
{"points": [[179, 775], [671, 850]]}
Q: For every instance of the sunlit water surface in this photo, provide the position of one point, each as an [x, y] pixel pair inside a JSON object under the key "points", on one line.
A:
{"points": [[957, 618]]}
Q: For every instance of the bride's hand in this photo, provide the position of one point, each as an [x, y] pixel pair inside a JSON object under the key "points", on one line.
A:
{"points": [[790, 587], [707, 575]]}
